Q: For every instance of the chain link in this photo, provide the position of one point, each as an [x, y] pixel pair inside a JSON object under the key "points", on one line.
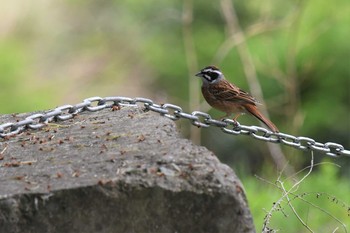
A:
{"points": [[173, 112]]}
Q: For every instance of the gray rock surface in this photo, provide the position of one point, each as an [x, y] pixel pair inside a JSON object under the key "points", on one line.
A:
{"points": [[115, 171]]}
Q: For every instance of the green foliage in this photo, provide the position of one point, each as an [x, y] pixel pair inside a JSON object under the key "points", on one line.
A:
{"points": [[13, 59], [319, 200], [12, 62], [61, 52], [18, 93]]}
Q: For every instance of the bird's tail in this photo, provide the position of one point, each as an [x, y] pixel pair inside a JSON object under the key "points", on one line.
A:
{"points": [[255, 112]]}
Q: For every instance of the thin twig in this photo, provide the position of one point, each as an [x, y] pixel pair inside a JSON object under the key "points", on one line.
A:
{"points": [[281, 187], [285, 195], [293, 209], [296, 196], [307, 167]]}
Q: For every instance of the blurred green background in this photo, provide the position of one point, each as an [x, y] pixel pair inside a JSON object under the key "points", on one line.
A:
{"points": [[294, 56]]}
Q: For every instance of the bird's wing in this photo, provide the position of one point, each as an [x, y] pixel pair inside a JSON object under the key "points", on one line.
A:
{"points": [[228, 92]]}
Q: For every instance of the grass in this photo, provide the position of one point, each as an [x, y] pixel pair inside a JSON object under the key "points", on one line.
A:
{"points": [[315, 200]]}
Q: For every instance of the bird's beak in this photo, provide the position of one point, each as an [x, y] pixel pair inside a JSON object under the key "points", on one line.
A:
{"points": [[199, 74]]}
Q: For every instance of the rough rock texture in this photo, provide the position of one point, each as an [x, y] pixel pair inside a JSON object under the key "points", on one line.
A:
{"points": [[115, 171]]}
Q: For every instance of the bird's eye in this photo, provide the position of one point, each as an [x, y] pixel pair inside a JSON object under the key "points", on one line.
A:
{"points": [[215, 75]]}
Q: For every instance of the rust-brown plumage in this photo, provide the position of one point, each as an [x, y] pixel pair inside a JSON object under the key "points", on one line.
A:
{"points": [[228, 98]]}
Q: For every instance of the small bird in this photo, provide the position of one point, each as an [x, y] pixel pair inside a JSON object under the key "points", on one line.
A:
{"points": [[228, 98]]}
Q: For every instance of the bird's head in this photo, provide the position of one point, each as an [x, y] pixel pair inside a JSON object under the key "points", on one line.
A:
{"points": [[210, 74]]}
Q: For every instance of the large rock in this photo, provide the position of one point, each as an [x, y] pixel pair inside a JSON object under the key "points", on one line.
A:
{"points": [[115, 171]]}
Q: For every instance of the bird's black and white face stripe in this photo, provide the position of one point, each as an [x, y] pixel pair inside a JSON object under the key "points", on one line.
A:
{"points": [[210, 74]]}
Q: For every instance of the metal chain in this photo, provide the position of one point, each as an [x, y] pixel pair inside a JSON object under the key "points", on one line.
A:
{"points": [[173, 112]]}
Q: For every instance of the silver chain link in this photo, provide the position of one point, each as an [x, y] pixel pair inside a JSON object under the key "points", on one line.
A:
{"points": [[173, 112]]}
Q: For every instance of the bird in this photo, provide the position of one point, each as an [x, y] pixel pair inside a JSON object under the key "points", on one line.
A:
{"points": [[227, 97]]}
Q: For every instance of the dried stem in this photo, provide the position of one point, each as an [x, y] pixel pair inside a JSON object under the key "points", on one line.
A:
{"points": [[237, 36], [192, 64]]}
